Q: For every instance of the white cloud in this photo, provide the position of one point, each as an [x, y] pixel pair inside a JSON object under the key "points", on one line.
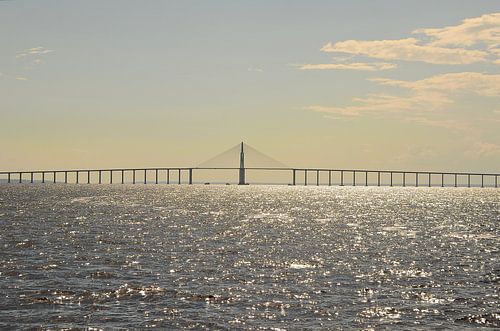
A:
{"points": [[465, 82], [422, 101], [35, 51], [473, 40], [406, 49], [484, 29], [349, 66]]}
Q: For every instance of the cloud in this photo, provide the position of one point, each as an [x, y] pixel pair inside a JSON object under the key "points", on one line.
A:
{"points": [[21, 78], [406, 49], [465, 82], [421, 101], [35, 51], [255, 69], [473, 40], [349, 66], [483, 29]]}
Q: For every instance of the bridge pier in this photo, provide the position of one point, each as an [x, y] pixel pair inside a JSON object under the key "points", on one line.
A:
{"points": [[341, 178], [54, 175], [145, 176], [156, 176], [317, 177], [366, 178], [391, 179], [468, 180], [43, 177], [455, 180], [378, 178], [31, 178], [133, 176], [65, 177], [404, 179], [482, 181], [305, 177], [354, 178], [111, 177], [416, 179], [179, 182], [100, 176], [190, 176], [293, 177], [77, 173], [123, 176], [442, 180], [496, 181], [430, 179], [20, 178], [329, 178], [88, 177], [168, 176]]}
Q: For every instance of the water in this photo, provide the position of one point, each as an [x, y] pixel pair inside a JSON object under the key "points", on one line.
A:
{"points": [[253, 257]]}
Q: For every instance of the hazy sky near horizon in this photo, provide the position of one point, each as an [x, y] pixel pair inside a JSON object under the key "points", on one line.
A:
{"points": [[355, 84]]}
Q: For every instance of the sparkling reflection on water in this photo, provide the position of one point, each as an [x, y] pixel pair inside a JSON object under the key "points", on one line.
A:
{"points": [[253, 257]]}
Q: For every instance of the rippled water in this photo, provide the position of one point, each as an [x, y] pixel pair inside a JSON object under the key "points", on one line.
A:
{"points": [[252, 257]]}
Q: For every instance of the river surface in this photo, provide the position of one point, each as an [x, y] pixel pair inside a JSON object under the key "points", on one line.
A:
{"points": [[251, 257]]}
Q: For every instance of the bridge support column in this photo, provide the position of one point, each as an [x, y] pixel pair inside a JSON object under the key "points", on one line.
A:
{"points": [[145, 176], [168, 176], [133, 176], [156, 176], [54, 177], [8, 178], [65, 177], [391, 179], [354, 178], [88, 177], [305, 177], [317, 177], [496, 181], [43, 177], [123, 176], [416, 179], [329, 178], [190, 176], [482, 180], [31, 178], [111, 176], [430, 180], [404, 179], [366, 178], [20, 178], [378, 178], [77, 180], [455, 180], [468, 180], [442, 180], [341, 178], [293, 177], [179, 181], [100, 177]]}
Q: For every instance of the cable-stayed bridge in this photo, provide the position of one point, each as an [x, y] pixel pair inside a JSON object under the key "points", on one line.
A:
{"points": [[253, 167]]}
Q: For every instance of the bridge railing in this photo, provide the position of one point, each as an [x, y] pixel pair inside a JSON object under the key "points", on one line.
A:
{"points": [[297, 176]]}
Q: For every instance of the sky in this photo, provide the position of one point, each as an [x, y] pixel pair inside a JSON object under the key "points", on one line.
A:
{"points": [[377, 84]]}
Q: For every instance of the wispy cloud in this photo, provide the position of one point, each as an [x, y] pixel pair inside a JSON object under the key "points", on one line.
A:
{"points": [[473, 40], [35, 51], [420, 99], [376, 66], [20, 78], [407, 49], [484, 29]]}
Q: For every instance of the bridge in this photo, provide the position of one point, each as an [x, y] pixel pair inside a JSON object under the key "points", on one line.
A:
{"points": [[293, 176]]}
